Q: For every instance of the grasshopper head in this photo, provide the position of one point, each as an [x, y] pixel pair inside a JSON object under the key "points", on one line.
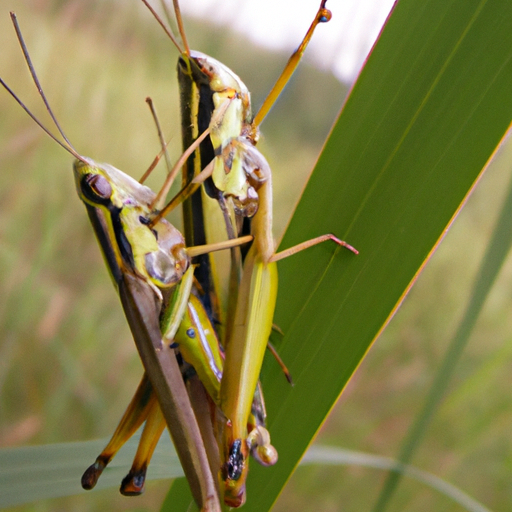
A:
{"points": [[119, 208], [124, 190], [219, 78]]}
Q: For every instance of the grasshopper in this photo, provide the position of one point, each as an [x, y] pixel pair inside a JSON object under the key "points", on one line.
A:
{"points": [[241, 181]]}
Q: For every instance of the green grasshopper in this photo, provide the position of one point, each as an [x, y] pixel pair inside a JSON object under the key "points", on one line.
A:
{"points": [[241, 178], [143, 260], [151, 268], [238, 171]]}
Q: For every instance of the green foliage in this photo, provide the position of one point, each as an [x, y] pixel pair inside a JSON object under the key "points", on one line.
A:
{"points": [[420, 124]]}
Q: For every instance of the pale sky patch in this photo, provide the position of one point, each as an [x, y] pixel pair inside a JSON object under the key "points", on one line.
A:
{"points": [[340, 45]]}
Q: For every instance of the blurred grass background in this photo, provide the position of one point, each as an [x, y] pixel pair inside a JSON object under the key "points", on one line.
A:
{"points": [[67, 362]]}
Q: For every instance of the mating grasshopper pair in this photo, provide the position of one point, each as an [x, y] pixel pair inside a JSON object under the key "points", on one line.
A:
{"points": [[150, 266]]}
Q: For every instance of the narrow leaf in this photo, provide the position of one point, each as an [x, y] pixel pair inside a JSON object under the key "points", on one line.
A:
{"points": [[426, 114]]}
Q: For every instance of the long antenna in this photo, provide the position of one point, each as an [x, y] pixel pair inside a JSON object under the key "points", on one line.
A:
{"points": [[69, 149], [161, 137], [28, 60], [166, 30], [67, 146], [181, 28]]}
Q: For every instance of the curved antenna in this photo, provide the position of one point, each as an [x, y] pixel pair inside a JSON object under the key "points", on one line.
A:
{"points": [[67, 145], [161, 138], [69, 149], [28, 60], [181, 28], [166, 30]]}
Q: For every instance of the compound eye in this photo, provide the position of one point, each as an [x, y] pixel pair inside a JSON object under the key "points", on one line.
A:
{"points": [[96, 187]]}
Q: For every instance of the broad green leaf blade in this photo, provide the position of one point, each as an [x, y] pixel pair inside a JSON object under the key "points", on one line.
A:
{"points": [[426, 114], [35, 473]]}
